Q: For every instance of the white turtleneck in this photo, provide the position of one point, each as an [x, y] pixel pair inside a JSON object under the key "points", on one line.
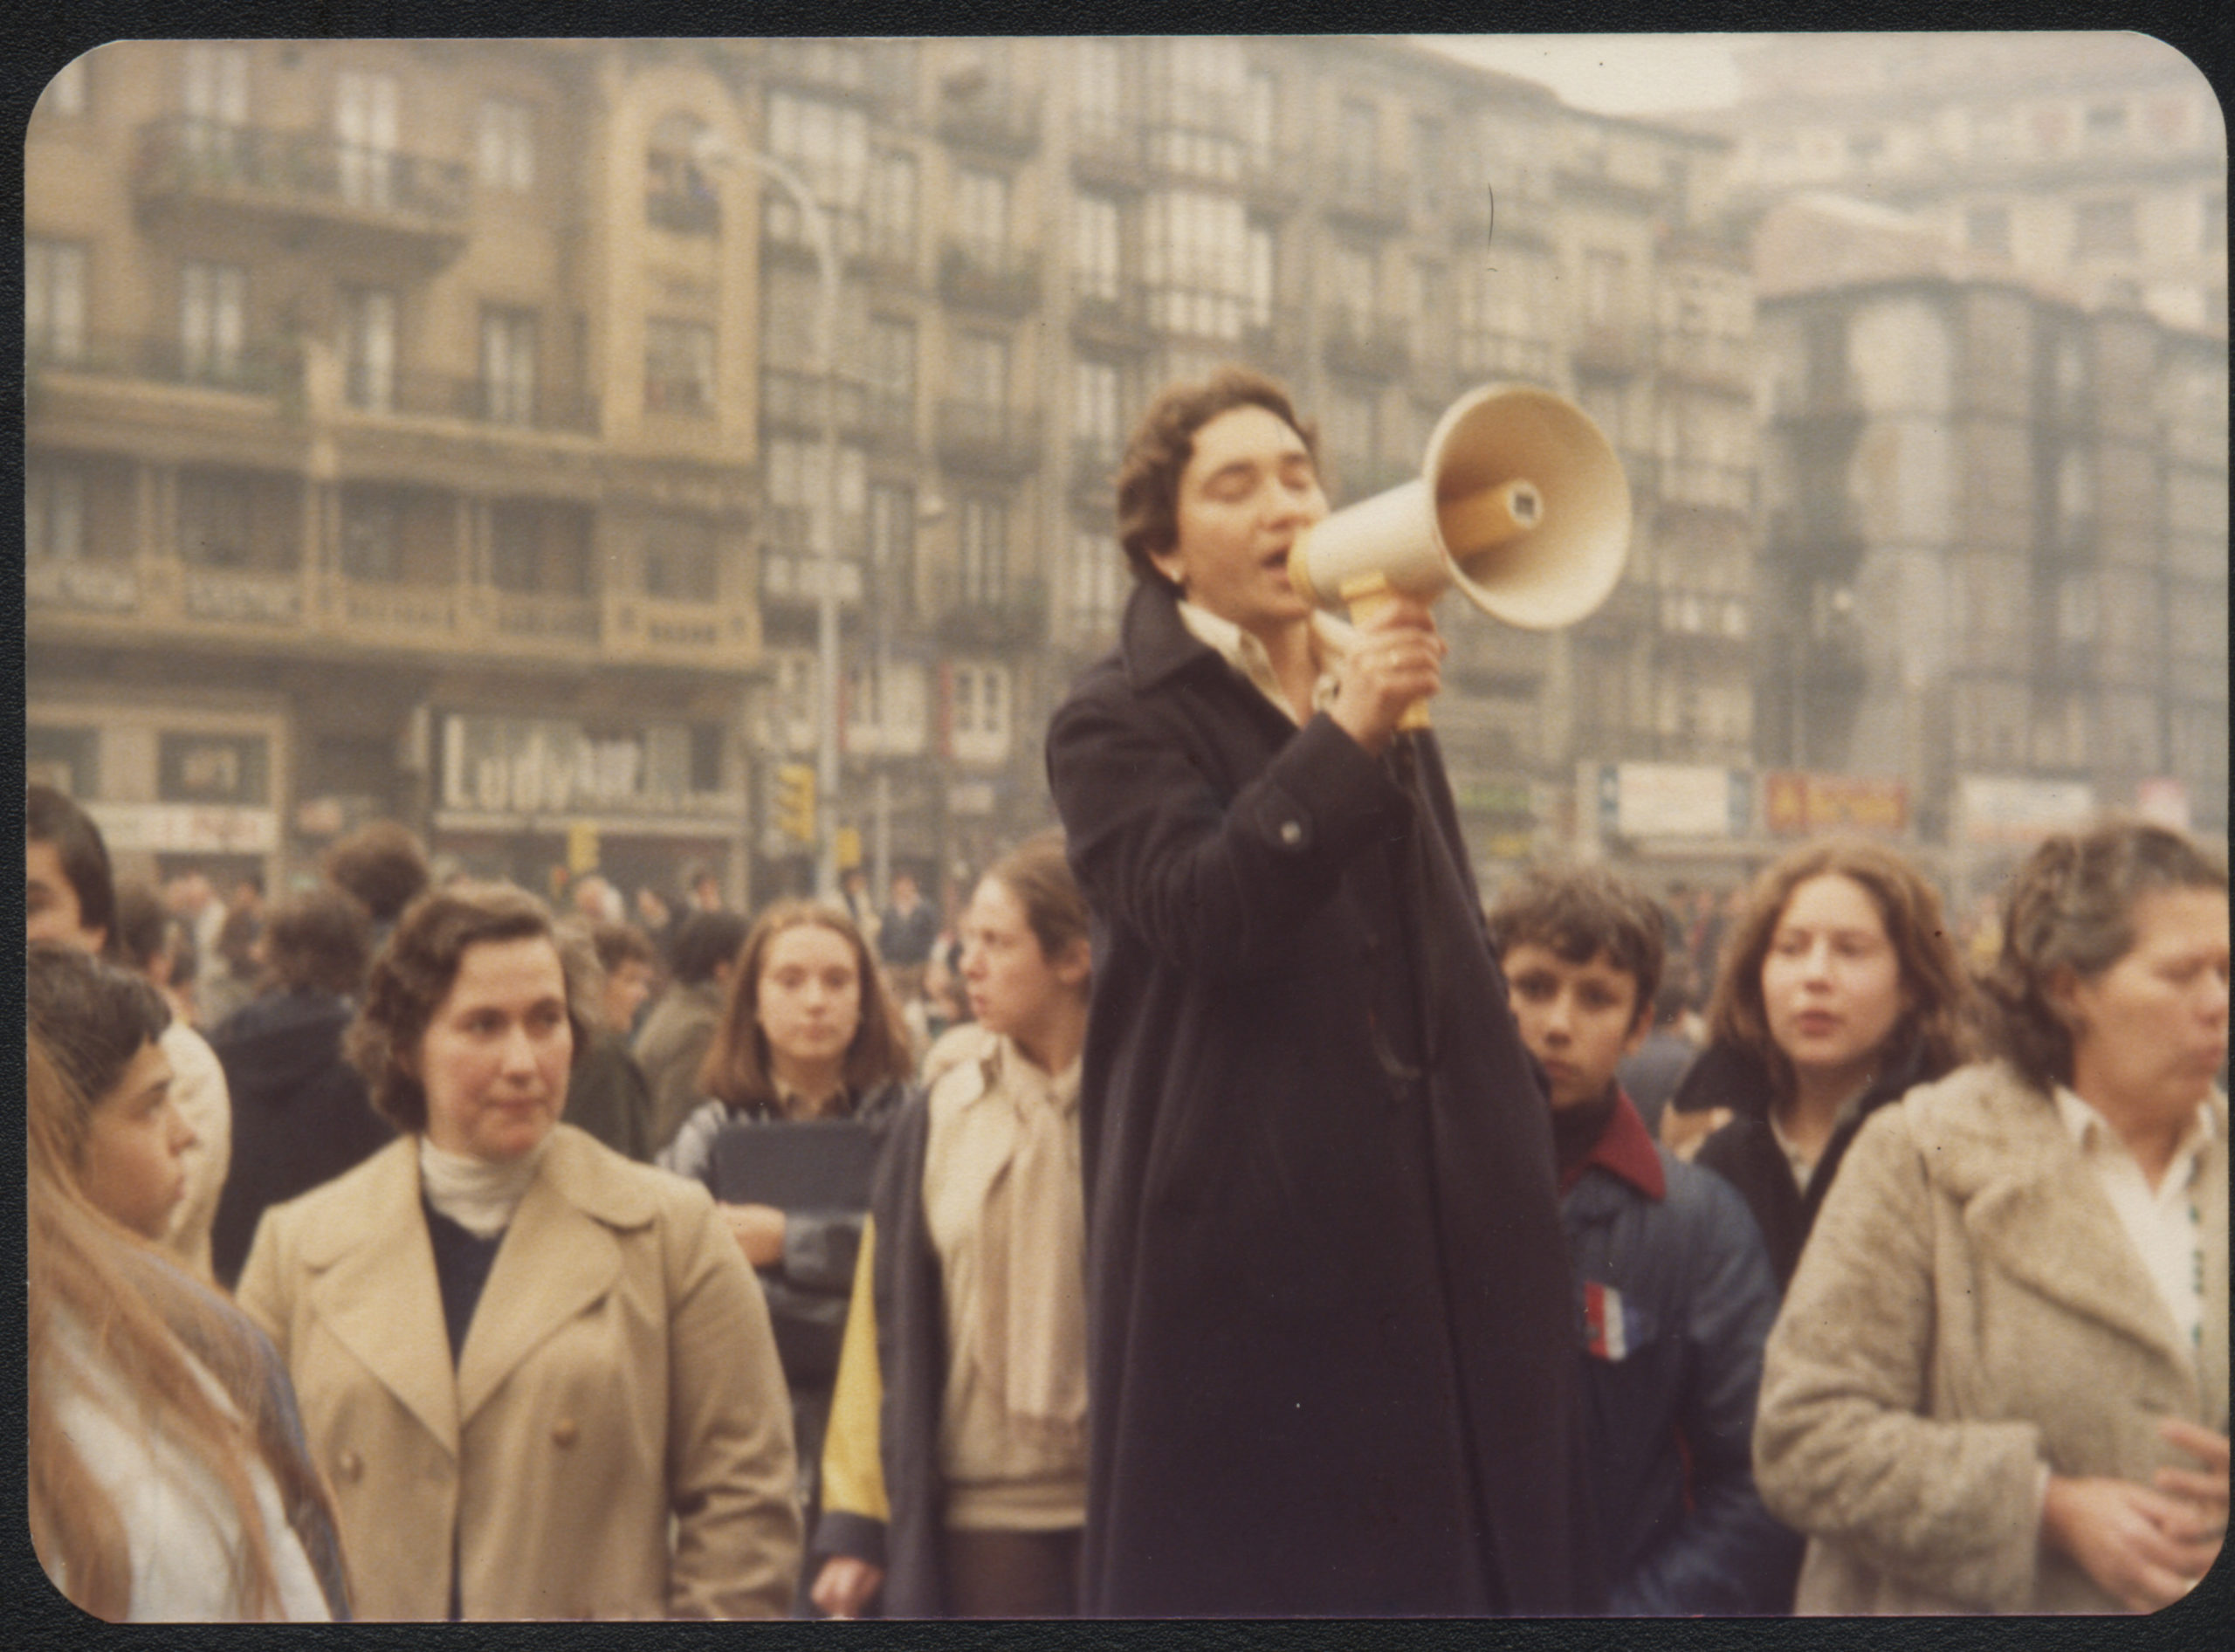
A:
{"points": [[479, 1194]]}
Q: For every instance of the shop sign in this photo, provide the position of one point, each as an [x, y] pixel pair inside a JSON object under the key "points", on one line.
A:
{"points": [[1796, 801], [535, 764], [2011, 810], [1673, 800], [186, 829]]}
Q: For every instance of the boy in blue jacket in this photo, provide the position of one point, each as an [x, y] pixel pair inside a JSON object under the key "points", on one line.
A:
{"points": [[1674, 1286]]}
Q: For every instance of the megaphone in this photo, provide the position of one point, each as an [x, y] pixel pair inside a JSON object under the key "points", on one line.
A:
{"points": [[1520, 503]]}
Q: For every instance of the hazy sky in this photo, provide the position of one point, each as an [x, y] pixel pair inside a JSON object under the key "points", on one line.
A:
{"points": [[1612, 74]]}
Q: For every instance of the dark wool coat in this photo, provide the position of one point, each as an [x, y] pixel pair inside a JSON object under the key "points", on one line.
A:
{"points": [[1745, 1153], [1331, 1326], [300, 1113]]}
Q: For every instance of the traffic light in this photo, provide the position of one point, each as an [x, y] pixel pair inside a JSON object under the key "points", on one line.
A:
{"points": [[796, 801]]}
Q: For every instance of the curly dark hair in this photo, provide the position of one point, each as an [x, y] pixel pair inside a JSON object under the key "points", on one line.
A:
{"points": [[2070, 907], [1578, 912], [1935, 1024], [1148, 481], [416, 969], [738, 1070], [51, 817]]}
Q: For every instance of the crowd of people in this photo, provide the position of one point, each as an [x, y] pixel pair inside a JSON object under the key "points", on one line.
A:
{"points": [[1233, 1211]]}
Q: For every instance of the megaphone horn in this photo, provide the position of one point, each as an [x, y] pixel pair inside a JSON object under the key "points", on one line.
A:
{"points": [[1520, 503]]}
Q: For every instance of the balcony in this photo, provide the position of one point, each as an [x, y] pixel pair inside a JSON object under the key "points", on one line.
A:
{"points": [[1362, 344], [990, 276], [990, 116], [264, 367], [684, 211], [1368, 196], [795, 401], [538, 620], [1014, 616], [1187, 155], [1107, 153], [414, 395], [994, 440], [261, 179], [1110, 313]]}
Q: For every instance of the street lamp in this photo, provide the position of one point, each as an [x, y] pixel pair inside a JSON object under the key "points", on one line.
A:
{"points": [[711, 150]]}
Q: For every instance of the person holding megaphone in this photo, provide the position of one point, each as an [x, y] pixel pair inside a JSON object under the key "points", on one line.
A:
{"points": [[1331, 1363]]}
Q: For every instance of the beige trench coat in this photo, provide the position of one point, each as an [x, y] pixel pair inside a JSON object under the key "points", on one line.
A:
{"points": [[1968, 1311], [619, 1370]]}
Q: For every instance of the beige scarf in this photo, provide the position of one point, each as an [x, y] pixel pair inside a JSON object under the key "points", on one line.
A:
{"points": [[1030, 1337]]}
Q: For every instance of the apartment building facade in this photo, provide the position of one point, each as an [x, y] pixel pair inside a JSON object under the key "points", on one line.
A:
{"points": [[439, 429]]}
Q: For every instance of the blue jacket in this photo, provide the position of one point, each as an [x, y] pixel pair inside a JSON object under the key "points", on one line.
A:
{"points": [[1677, 1299]]}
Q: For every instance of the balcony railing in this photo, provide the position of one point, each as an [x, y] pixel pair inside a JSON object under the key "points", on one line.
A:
{"points": [[1365, 344], [181, 158], [990, 275], [796, 400], [1014, 613], [415, 394], [259, 368], [1004, 441]]}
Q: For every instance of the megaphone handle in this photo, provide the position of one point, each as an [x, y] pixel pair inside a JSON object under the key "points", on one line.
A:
{"points": [[1366, 595]]}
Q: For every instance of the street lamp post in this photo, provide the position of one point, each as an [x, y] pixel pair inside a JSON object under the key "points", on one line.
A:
{"points": [[824, 519]]}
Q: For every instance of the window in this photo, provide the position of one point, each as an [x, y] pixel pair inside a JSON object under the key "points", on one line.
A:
{"points": [[978, 709], [508, 365], [984, 551], [796, 471], [213, 519], [535, 550], [981, 207], [365, 123], [54, 510], [892, 542], [680, 561], [213, 310], [1262, 251], [1196, 262], [893, 207], [1987, 230], [2103, 229], [827, 143], [54, 299], [677, 195], [214, 92], [372, 537], [981, 369], [1098, 579], [505, 145], [791, 318], [678, 367], [1261, 115], [1197, 81], [368, 347], [1096, 227], [891, 370], [1097, 87], [1097, 417]]}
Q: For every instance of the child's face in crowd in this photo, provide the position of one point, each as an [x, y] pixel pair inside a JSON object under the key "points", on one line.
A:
{"points": [[134, 1163], [1579, 1020]]}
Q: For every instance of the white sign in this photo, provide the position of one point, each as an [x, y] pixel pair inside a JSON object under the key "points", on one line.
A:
{"points": [[188, 829], [1671, 800], [531, 764], [2010, 810]]}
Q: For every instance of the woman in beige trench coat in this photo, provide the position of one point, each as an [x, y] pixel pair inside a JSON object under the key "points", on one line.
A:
{"points": [[540, 1378]]}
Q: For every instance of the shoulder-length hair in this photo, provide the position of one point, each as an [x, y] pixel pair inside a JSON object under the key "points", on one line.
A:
{"points": [[1933, 1024], [739, 1068], [96, 1292], [416, 970], [2071, 908], [1036, 872], [1157, 456]]}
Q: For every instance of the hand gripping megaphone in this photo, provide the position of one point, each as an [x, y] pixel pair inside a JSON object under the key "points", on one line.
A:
{"points": [[1520, 503]]}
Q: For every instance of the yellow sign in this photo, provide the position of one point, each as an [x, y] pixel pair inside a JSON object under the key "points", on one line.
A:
{"points": [[796, 801], [847, 846], [581, 848]]}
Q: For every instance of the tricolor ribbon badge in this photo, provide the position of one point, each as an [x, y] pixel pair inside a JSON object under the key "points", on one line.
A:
{"points": [[1603, 1331]]}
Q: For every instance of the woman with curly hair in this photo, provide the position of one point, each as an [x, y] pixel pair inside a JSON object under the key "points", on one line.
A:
{"points": [[1839, 988], [2000, 1383], [540, 1375]]}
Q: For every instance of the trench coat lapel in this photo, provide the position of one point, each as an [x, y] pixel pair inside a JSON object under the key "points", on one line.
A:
{"points": [[2038, 1209], [557, 1259], [375, 1292]]}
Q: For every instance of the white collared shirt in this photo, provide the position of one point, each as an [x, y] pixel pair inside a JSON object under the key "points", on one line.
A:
{"points": [[1331, 639], [2164, 1222]]}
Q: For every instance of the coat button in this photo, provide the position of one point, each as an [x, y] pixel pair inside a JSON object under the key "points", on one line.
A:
{"points": [[1291, 832], [564, 1432], [350, 1466]]}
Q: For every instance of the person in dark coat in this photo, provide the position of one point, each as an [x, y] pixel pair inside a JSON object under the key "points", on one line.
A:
{"points": [[300, 1113], [1330, 1324], [609, 1096], [1842, 989], [1673, 1285], [1651, 1073]]}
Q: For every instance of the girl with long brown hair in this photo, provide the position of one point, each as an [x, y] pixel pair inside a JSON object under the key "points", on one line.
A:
{"points": [[168, 1479], [1840, 989]]}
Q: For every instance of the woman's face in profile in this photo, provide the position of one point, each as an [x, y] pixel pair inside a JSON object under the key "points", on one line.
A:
{"points": [[496, 1051], [2150, 1034]]}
